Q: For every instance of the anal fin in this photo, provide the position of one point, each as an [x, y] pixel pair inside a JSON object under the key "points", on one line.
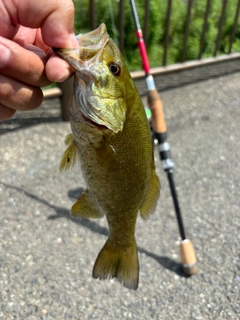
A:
{"points": [[85, 207], [151, 197]]}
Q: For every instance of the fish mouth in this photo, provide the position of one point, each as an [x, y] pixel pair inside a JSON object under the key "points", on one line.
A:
{"points": [[94, 124], [92, 43], [90, 49]]}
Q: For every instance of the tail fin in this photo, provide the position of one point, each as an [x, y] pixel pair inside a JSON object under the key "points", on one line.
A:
{"points": [[118, 262]]}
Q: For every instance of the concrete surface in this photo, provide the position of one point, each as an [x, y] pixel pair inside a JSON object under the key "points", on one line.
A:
{"points": [[46, 257]]}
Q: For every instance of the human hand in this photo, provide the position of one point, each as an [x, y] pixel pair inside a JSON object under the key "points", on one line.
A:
{"points": [[28, 30]]}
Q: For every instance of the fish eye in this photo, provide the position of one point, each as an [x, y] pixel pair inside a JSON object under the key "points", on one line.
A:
{"points": [[115, 69]]}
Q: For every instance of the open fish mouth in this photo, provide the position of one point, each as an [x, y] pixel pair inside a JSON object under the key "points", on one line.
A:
{"points": [[90, 49], [94, 124], [91, 44]]}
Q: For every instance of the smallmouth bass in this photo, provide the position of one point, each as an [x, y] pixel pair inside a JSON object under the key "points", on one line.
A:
{"points": [[112, 139]]}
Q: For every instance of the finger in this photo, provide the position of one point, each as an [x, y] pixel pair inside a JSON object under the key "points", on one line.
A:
{"points": [[41, 14], [24, 64], [18, 96], [57, 69], [5, 112], [25, 36], [39, 41]]}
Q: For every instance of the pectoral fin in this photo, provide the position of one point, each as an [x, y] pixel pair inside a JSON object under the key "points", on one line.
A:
{"points": [[69, 157], [85, 207], [151, 197]]}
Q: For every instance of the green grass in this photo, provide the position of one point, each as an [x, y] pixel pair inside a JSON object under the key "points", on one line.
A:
{"points": [[107, 12]]}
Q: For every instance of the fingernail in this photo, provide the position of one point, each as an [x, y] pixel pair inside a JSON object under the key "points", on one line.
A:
{"points": [[4, 55], [74, 40], [64, 75], [59, 70]]}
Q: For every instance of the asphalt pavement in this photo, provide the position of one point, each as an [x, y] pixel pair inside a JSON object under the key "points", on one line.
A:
{"points": [[46, 257]]}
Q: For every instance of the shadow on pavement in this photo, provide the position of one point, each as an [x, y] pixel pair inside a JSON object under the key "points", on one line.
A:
{"points": [[16, 124], [166, 262]]}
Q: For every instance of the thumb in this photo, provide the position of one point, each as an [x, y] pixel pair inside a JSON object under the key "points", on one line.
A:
{"points": [[55, 18]]}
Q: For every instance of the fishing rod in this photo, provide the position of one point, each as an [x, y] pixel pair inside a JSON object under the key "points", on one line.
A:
{"points": [[159, 127]]}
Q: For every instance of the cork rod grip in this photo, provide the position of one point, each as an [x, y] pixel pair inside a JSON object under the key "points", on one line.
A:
{"points": [[155, 105], [188, 257]]}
